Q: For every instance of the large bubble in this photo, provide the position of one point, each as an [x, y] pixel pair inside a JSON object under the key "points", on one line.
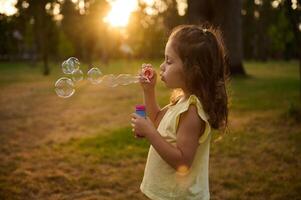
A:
{"points": [[64, 87], [74, 62], [94, 75], [70, 65], [77, 75]]}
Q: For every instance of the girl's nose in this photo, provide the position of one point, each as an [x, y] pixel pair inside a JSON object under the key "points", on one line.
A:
{"points": [[162, 67]]}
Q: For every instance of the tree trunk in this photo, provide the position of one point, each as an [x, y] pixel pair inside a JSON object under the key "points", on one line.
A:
{"points": [[45, 63], [299, 70], [294, 16], [226, 15], [41, 30]]}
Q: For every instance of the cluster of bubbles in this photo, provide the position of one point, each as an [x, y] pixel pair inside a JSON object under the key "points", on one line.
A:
{"points": [[65, 87]]}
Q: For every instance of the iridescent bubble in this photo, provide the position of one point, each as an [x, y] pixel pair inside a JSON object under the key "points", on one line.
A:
{"points": [[64, 87], [70, 65], [94, 75], [77, 75], [67, 68], [124, 79], [109, 80], [74, 62], [134, 79]]}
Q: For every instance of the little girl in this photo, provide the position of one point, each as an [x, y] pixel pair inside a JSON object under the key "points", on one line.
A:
{"points": [[179, 133]]}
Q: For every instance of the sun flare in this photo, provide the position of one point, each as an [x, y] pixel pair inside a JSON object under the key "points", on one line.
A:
{"points": [[120, 12], [7, 7]]}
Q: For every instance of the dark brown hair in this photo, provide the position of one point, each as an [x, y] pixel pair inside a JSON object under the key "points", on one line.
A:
{"points": [[202, 52]]}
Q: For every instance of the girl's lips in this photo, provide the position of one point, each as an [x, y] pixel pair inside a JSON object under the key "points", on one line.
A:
{"points": [[162, 77]]}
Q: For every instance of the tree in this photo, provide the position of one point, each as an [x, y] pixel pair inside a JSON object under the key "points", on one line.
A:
{"points": [[226, 15], [171, 17], [44, 28], [146, 33], [294, 18], [8, 43]]}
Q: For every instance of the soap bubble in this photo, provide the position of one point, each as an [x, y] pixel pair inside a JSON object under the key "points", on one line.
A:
{"points": [[64, 87], [109, 80], [94, 75], [70, 65], [74, 62], [124, 79], [66, 67], [134, 79], [77, 75]]}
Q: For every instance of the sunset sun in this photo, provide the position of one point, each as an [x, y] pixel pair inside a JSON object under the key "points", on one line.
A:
{"points": [[120, 12]]}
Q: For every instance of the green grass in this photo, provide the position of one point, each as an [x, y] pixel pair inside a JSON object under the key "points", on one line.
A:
{"points": [[118, 144], [270, 86]]}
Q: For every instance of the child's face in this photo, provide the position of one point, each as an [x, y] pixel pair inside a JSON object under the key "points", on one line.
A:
{"points": [[172, 68]]}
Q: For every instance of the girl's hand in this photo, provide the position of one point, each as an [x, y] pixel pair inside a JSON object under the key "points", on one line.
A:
{"points": [[147, 83], [142, 127]]}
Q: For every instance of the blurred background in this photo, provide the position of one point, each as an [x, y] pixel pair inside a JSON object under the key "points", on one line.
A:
{"points": [[82, 147], [104, 30]]}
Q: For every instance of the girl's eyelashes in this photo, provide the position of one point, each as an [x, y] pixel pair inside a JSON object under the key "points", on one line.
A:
{"points": [[167, 61]]}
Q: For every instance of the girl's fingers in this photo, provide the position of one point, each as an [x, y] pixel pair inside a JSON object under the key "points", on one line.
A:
{"points": [[141, 78], [149, 65], [144, 65], [144, 79], [134, 115]]}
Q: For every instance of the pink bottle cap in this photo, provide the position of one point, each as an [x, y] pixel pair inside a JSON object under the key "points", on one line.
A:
{"points": [[140, 107]]}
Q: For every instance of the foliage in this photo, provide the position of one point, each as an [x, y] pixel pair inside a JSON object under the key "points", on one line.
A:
{"points": [[65, 47], [8, 43], [267, 31]]}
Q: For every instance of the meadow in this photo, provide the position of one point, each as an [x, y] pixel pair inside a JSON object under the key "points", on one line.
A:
{"points": [[83, 148]]}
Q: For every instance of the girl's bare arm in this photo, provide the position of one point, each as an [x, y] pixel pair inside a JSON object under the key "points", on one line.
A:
{"points": [[189, 131], [154, 112]]}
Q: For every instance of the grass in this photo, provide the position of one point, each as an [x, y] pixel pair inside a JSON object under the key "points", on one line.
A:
{"points": [[114, 146], [83, 148]]}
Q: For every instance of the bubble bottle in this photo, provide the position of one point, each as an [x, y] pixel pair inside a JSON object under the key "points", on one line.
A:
{"points": [[140, 110]]}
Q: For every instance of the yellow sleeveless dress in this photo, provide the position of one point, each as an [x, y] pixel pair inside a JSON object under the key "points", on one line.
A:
{"points": [[161, 181]]}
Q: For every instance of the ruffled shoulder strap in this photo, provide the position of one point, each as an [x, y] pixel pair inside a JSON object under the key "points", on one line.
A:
{"points": [[193, 100]]}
